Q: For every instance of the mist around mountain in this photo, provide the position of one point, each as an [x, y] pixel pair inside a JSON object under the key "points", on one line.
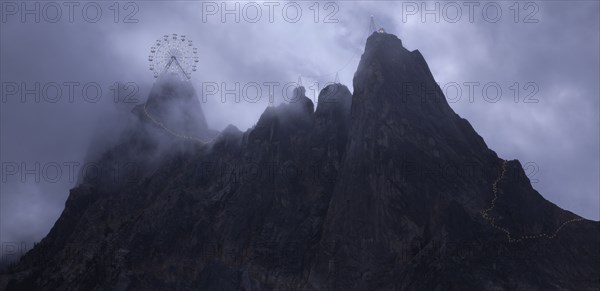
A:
{"points": [[385, 188]]}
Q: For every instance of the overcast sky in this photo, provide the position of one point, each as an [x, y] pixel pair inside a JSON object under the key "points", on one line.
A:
{"points": [[544, 56]]}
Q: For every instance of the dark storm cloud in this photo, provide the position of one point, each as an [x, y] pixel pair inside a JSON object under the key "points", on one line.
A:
{"points": [[559, 134]]}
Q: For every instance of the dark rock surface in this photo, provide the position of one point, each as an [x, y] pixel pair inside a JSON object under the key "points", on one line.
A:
{"points": [[383, 189]]}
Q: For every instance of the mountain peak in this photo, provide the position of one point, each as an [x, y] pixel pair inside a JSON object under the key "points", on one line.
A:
{"points": [[383, 189], [382, 38], [173, 106]]}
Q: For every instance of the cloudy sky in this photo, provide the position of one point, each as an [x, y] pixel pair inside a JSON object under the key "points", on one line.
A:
{"points": [[542, 56]]}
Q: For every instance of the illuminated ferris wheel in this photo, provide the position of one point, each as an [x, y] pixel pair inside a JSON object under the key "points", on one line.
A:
{"points": [[173, 54]]}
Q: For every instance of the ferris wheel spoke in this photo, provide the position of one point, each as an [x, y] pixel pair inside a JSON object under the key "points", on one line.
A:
{"points": [[173, 54]]}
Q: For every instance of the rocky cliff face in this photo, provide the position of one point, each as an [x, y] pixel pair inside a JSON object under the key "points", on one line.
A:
{"points": [[383, 189]]}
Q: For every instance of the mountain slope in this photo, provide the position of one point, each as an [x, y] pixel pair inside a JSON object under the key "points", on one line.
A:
{"points": [[383, 189]]}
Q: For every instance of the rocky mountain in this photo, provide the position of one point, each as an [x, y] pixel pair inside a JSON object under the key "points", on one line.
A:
{"points": [[385, 188]]}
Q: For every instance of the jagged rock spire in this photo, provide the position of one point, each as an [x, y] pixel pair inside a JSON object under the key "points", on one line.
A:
{"points": [[377, 189]]}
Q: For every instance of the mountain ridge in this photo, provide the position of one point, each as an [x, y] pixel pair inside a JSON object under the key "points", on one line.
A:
{"points": [[384, 189]]}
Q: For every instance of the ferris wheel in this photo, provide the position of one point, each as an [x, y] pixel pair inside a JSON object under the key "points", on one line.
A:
{"points": [[173, 54]]}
